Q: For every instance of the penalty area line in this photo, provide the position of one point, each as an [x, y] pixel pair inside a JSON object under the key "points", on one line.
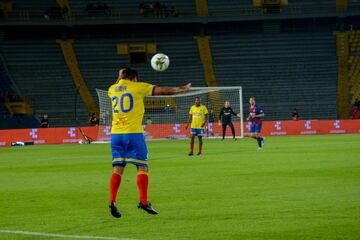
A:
{"points": [[55, 235]]}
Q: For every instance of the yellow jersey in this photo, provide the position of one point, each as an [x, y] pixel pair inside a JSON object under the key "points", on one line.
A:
{"points": [[127, 100], [198, 116]]}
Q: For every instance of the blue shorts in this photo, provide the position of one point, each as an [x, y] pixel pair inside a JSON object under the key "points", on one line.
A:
{"points": [[255, 128], [129, 148], [197, 132]]}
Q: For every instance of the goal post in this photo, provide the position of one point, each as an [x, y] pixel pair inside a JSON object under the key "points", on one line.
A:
{"points": [[166, 116]]}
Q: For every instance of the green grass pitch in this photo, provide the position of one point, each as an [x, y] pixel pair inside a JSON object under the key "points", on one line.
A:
{"points": [[305, 187]]}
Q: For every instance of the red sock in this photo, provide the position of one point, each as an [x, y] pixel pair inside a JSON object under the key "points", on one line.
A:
{"points": [[191, 147], [142, 183], [200, 147], [115, 181]]}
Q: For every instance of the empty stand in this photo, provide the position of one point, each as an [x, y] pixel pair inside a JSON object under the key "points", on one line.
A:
{"points": [[283, 71], [354, 65], [99, 62], [5, 83], [79, 82], [343, 93], [39, 69], [37, 6], [131, 8]]}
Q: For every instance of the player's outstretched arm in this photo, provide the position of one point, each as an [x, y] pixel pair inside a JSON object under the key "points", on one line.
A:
{"points": [[171, 90]]}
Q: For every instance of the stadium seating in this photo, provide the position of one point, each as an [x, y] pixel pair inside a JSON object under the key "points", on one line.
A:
{"points": [[40, 72], [129, 7], [17, 122], [37, 6], [99, 62], [125, 8], [180, 8], [354, 65], [229, 5], [343, 94], [267, 66], [272, 66], [5, 87], [5, 84], [39, 69], [3, 111], [6, 120]]}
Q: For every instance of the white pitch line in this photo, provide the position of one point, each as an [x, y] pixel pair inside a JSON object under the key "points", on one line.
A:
{"points": [[54, 235]]}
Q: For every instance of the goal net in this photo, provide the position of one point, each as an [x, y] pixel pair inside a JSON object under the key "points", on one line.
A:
{"points": [[166, 116]]}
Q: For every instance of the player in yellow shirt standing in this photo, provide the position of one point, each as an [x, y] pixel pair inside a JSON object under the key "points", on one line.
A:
{"points": [[127, 140], [198, 116]]}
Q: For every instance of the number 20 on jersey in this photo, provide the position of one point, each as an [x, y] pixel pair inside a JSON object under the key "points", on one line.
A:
{"points": [[125, 104]]}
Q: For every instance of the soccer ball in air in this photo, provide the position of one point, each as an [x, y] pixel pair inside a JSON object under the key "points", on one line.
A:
{"points": [[160, 62]]}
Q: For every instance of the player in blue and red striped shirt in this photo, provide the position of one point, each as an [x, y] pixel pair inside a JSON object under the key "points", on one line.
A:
{"points": [[255, 115]]}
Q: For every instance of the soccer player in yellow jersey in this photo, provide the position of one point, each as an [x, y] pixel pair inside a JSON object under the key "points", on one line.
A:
{"points": [[198, 116], [127, 140]]}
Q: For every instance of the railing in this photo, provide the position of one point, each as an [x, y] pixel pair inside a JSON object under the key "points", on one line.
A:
{"points": [[293, 9], [109, 14], [184, 12]]}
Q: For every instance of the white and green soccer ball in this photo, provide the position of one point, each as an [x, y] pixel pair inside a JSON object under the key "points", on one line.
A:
{"points": [[160, 62]]}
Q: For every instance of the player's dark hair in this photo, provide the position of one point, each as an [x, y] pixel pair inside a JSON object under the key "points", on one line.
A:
{"points": [[126, 73], [133, 74], [252, 97]]}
